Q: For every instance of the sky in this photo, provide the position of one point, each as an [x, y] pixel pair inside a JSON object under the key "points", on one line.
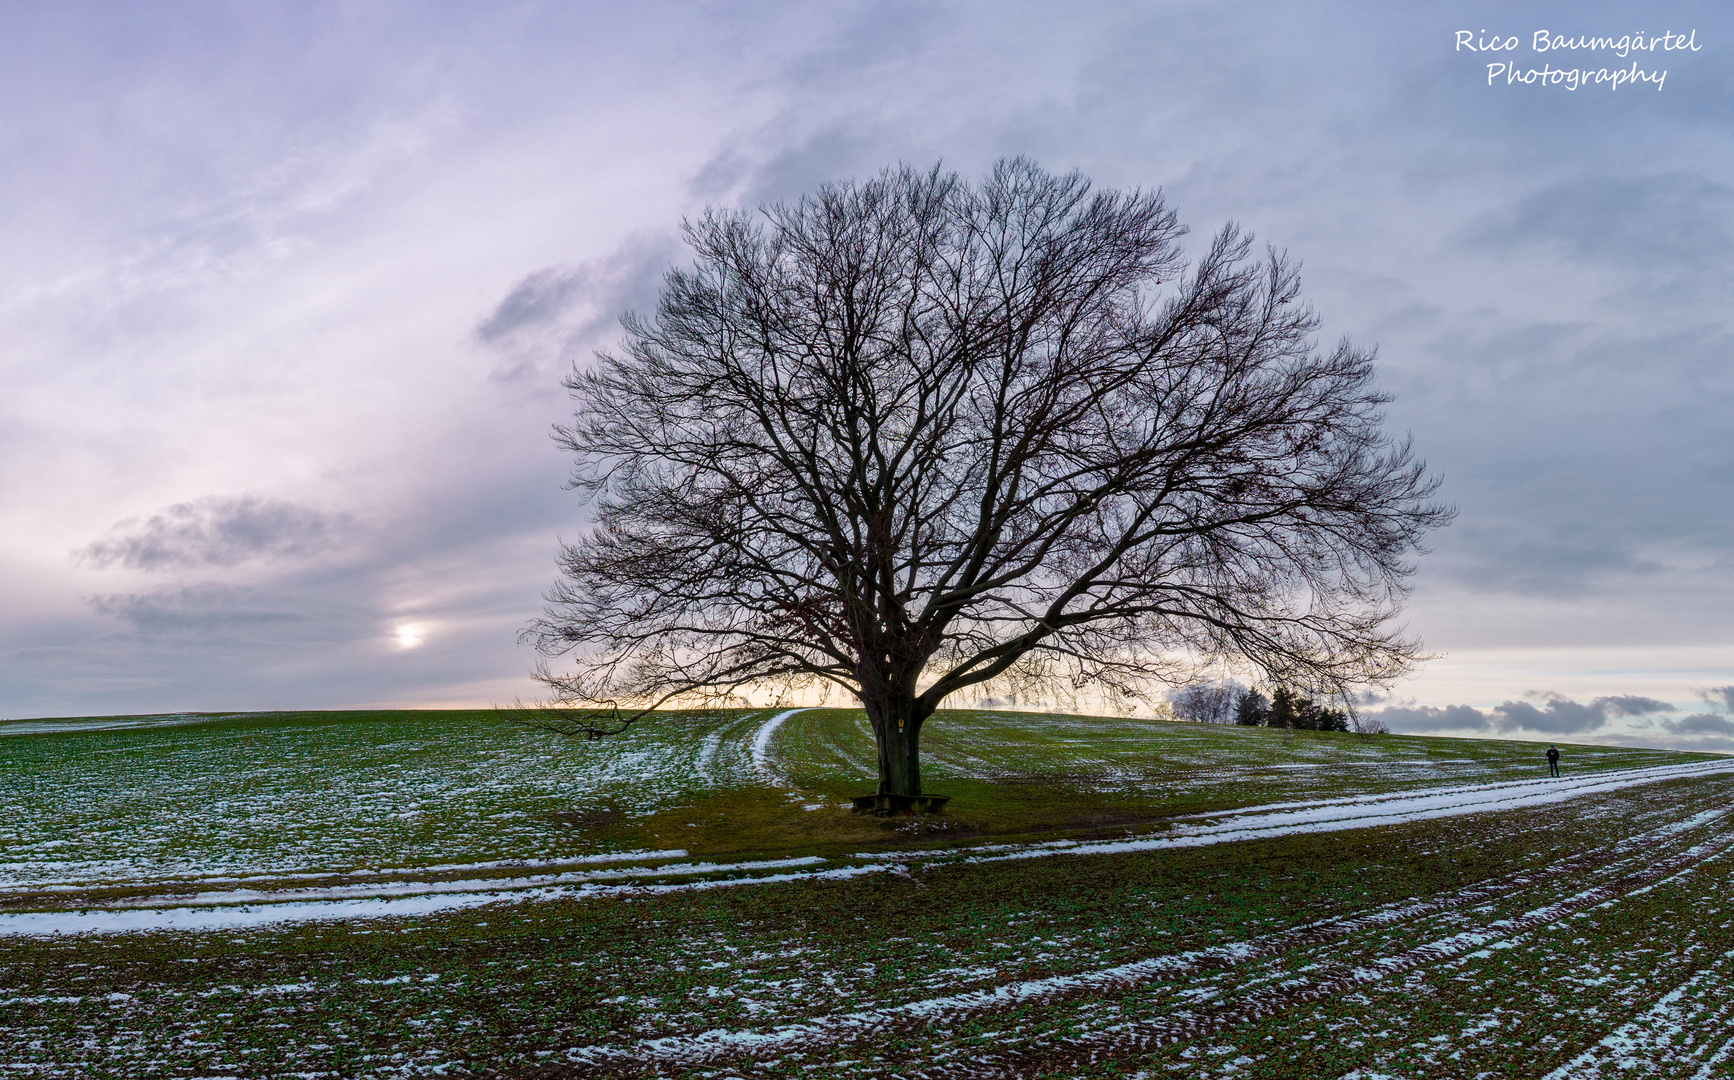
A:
{"points": [[287, 292]]}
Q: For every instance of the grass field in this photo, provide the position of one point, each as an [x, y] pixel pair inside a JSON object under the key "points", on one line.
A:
{"points": [[445, 893]]}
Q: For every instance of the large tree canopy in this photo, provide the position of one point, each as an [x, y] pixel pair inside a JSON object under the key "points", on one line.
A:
{"points": [[910, 434]]}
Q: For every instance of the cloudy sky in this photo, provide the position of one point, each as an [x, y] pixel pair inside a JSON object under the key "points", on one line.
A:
{"points": [[287, 291]]}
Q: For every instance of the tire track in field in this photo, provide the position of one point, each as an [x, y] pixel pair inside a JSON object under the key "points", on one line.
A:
{"points": [[1142, 1036], [1248, 823], [719, 1047], [1662, 1032], [761, 752], [1675, 1030]]}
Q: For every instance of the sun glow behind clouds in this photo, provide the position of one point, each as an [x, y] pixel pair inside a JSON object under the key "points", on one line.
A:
{"points": [[347, 261]]}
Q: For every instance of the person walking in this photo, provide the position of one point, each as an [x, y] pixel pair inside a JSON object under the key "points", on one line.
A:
{"points": [[1553, 761]]}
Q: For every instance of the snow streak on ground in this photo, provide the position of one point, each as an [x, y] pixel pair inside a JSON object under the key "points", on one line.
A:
{"points": [[124, 799], [188, 796], [1664, 1030], [1288, 819], [1248, 980], [712, 1047], [1620, 930], [119, 800], [207, 909], [1183, 760], [762, 745]]}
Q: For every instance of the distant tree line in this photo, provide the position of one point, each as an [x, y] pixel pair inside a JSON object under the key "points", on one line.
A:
{"points": [[1231, 703]]}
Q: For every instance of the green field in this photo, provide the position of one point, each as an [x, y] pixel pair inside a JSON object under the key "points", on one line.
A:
{"points": [[443, 893]]}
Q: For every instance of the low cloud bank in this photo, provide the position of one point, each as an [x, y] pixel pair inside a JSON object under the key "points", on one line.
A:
{"points": [[1700, 724], [1617, 718]]}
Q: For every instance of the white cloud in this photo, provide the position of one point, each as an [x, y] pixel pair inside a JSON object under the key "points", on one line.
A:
{"points": [[341, 255]]}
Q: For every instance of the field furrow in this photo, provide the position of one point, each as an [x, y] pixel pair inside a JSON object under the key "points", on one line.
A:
{"points": [[1621, 861], [1111, 897]]}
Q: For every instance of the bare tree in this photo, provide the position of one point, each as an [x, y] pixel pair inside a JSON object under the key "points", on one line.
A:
{"points": [[1207, 702], [909, 435]]}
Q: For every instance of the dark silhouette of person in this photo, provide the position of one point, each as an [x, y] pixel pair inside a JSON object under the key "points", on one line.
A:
{"points": [[1553, 761]]}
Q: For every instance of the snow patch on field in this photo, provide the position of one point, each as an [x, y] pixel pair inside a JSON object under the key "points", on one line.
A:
{"points": [[1652, 1034], [188, 797], [1669, 1029], [377, 899], [762, 744], [1331, 815], [253, 915]]}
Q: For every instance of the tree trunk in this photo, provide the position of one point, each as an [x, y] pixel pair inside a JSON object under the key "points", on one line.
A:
{"points": [[897, 729]]}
